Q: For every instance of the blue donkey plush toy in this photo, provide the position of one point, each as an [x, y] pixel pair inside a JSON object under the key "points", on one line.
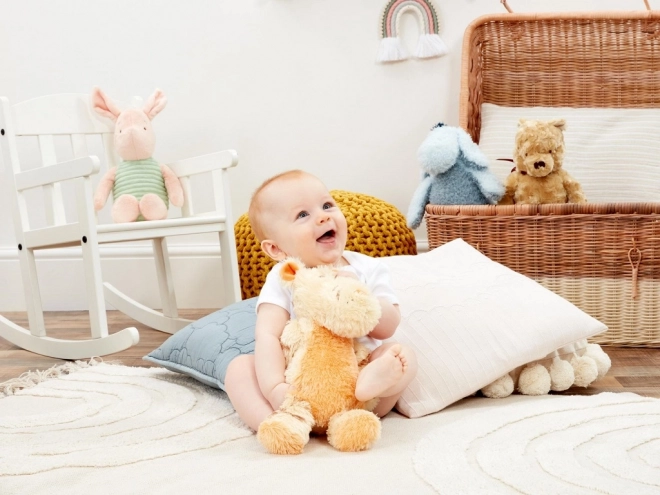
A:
{"points": [[455, 172]]}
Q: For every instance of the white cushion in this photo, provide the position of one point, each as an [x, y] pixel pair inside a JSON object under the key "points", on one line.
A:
{"points": [[470, 320], [613, 152]]}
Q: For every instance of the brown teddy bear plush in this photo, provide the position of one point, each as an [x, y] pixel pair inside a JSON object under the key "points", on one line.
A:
{"points": [[323, 358], [538, 177]]}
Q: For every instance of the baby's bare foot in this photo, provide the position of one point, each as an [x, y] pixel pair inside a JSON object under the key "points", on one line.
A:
{"points": [[381, 374]]}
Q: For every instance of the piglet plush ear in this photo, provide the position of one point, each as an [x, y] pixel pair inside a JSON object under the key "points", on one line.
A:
{"points": [[103, 105], [289, 269], [155, 104]]}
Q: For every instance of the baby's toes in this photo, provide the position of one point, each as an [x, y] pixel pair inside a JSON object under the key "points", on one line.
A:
{"points": [[396, 350]]}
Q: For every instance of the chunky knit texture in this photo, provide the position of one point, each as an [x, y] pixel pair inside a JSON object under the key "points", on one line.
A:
{"points": [[375, 228]]}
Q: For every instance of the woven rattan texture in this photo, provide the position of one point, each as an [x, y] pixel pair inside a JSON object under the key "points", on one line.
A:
{"points": [[581, 252], [603, 61], [375, 228], [598, 261]]}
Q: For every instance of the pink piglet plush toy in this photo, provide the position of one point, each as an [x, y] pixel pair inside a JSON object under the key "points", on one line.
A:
{"points": [[141, 187]]}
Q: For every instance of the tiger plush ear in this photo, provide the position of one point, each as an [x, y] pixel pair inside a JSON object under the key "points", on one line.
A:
{"points": [[290, 267]]}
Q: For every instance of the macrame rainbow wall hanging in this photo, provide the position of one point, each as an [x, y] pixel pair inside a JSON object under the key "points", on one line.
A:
{"points": [[429, 44]]}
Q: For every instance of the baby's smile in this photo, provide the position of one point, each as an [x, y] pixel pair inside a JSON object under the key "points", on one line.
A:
{"points": [[328, 236]]}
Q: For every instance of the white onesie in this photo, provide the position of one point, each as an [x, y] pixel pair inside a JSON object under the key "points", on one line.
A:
{"points": [[370, 271]]}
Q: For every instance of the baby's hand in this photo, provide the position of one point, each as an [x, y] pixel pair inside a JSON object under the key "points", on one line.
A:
{"points": [[347, 274]]}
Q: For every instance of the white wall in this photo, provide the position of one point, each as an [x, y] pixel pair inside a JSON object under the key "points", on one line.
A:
{"points": [[287, 83]]}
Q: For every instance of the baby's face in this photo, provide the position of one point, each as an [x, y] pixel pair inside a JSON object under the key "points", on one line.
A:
{"points": [[304, 221]]}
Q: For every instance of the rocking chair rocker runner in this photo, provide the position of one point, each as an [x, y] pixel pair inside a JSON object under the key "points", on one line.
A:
{"points": [[71, 115]]}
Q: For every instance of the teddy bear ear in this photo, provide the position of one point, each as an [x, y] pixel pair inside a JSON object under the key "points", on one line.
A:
{"points": [[522, 122], [559, 123], [289, 269]]}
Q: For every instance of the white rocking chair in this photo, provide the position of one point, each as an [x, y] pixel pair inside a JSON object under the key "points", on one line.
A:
{"points": [[71, 115]]}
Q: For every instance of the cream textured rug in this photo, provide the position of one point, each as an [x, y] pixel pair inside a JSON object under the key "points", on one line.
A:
{"points": [[609, 443], [109, 429]]}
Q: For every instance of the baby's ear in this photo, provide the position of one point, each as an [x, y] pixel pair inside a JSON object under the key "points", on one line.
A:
{"points": [[290, 267]]}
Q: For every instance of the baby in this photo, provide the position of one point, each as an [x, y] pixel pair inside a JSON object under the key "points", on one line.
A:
{"points": [[293, 214]]}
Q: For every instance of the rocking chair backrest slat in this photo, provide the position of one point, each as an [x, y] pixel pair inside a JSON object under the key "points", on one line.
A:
{"points": [[111, 158], [219, 190], [188, 209], [58, 117], [186, 169], [79, 145], [55, 214]]}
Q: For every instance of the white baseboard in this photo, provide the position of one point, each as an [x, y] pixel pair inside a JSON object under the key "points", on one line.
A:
{"points": [[196, 268]]}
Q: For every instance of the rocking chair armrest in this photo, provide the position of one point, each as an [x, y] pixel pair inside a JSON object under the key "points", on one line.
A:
{"points": [[220, 160], [58, 172]]}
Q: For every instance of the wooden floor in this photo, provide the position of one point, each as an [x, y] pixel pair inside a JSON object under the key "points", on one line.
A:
{"points": [[633, 369], [75, 324]]}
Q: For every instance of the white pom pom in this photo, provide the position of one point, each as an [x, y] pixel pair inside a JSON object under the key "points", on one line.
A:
{"points": [[500, 388], [561, 375], [391, 50], [430, 45], [585, 370], [603, 361], [534, 380]]}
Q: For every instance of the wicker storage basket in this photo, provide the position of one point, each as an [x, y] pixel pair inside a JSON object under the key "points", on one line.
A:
{"points": [[605, 258]]}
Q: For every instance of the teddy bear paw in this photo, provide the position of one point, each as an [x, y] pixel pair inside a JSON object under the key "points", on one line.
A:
{"points": [[283, 434], [354, 430]]}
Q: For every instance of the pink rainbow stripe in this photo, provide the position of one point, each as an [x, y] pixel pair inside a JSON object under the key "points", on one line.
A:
{"points": [[428, 13]]}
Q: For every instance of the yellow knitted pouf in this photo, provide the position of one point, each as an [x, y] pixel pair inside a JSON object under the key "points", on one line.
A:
{"points": [[375, 228]]}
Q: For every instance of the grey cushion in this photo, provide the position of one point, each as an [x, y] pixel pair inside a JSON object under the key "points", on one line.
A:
{"points": [[203, 349]]}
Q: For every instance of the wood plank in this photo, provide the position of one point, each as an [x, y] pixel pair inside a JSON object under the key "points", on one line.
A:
{"points": [[75, 325]]}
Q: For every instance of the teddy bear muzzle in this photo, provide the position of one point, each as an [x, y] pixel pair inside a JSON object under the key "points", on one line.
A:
{"points": [[539, 166]]}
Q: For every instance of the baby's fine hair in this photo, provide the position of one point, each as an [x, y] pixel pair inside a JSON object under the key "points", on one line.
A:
{"points": [[256, 207]]}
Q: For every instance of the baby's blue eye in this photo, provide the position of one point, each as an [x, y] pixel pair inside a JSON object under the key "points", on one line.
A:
{"points": [[328, 205], [302, 214]]}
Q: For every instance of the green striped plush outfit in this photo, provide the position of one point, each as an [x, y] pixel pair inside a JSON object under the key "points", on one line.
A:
{"points": [[139, 177]]}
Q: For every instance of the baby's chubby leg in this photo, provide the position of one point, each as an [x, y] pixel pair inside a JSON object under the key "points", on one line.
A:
{"points": [[391, 368], [244, 392]]}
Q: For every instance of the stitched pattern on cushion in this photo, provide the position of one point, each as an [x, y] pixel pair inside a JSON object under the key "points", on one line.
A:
{"points": [[204, 348]]}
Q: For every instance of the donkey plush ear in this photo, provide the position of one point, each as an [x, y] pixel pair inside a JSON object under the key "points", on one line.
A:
{"points": [[155, 104], [103, 105], [290, 267]]}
